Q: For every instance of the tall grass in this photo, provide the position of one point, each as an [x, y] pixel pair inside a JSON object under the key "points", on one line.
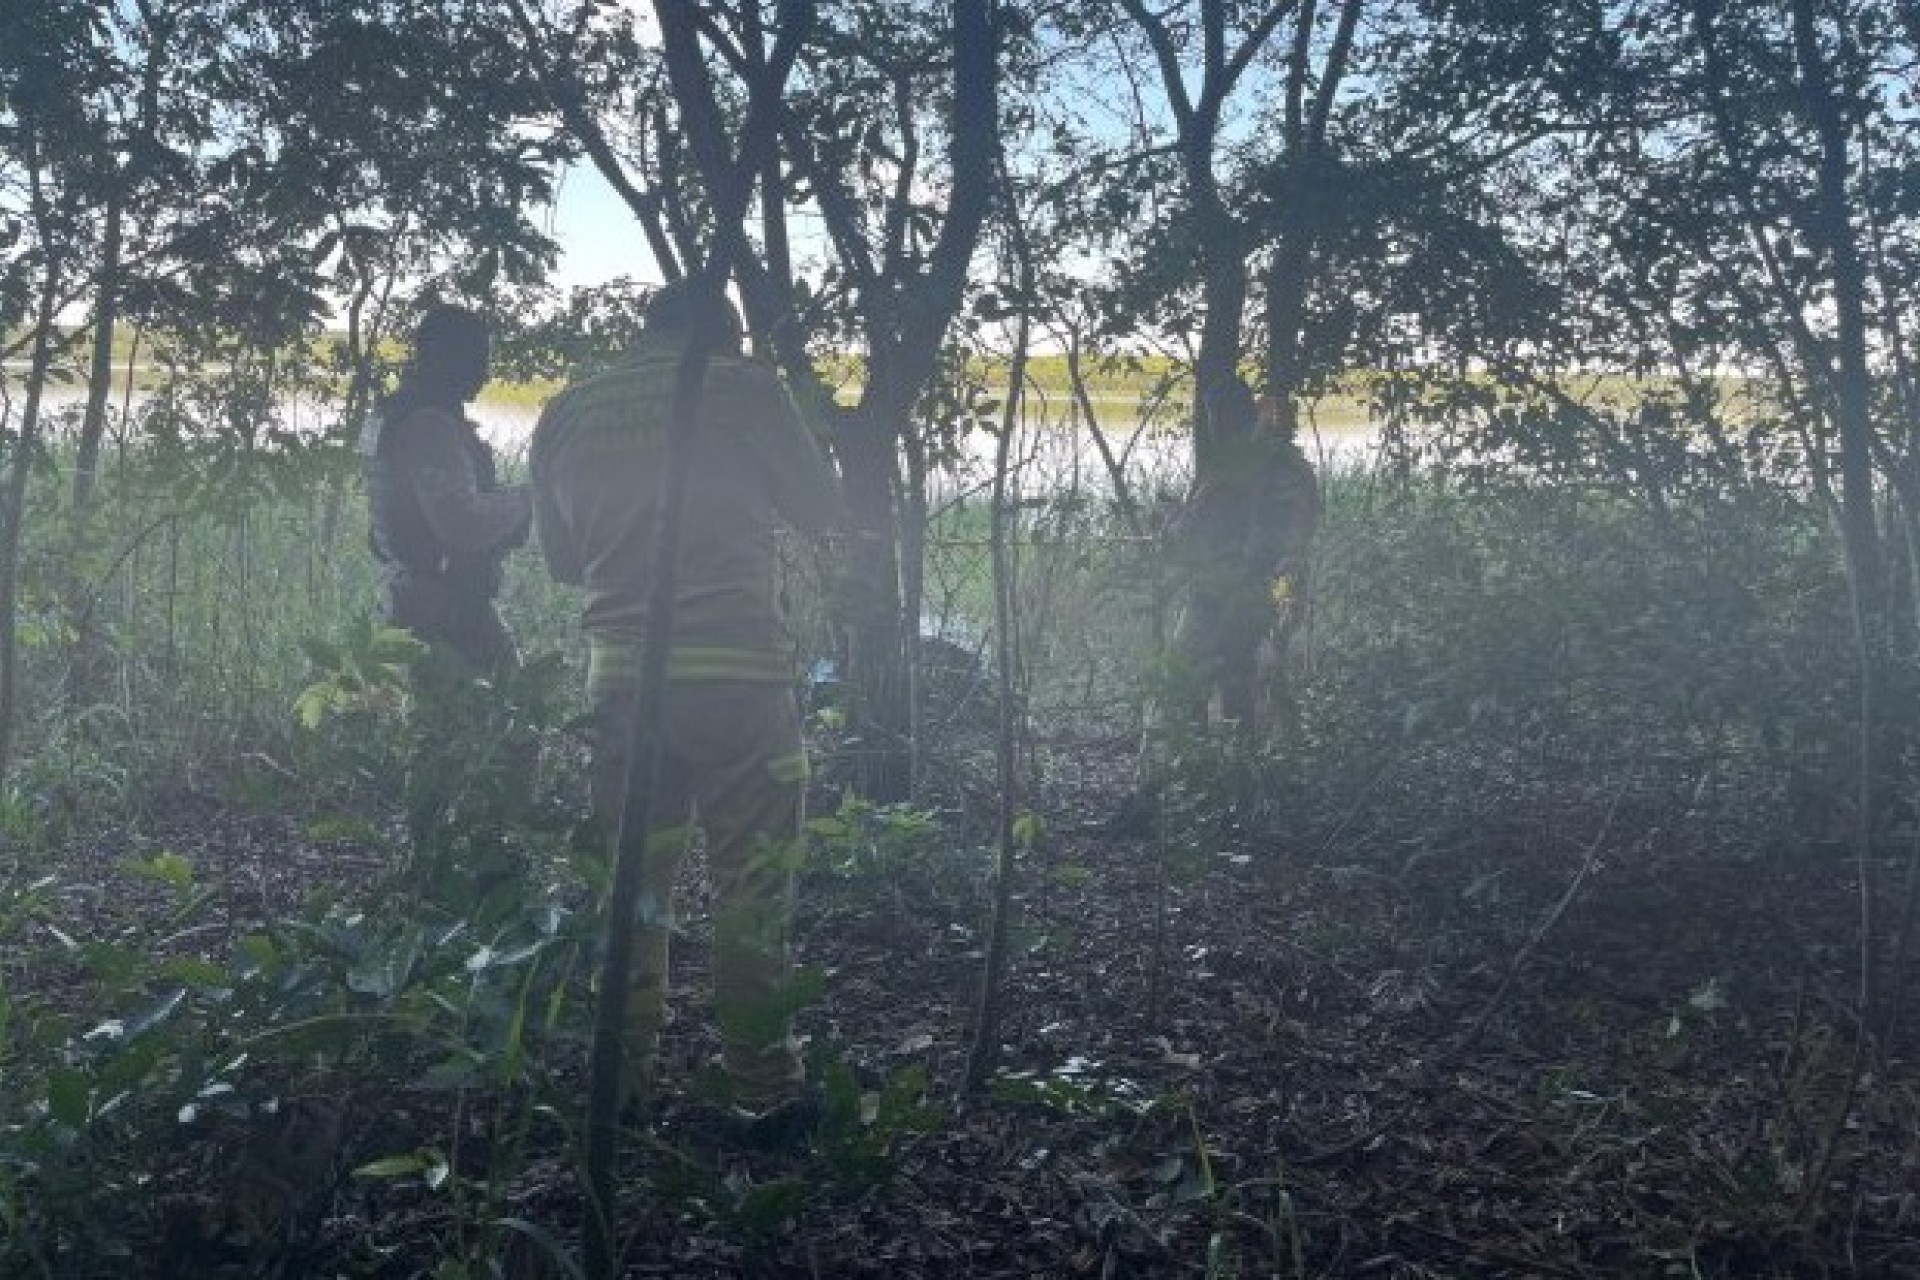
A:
{"points": [[1445, 626], [206, 568], [1451, 635]]}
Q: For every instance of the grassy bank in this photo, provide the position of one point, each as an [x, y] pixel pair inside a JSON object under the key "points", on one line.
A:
{"points": [[1119, 389]]}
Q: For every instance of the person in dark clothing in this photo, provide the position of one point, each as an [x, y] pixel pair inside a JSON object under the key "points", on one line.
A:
{"points": [[1242, 545], [442, 523]]}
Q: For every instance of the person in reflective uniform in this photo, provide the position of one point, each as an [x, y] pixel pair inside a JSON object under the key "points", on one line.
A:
{"points": [[732, 762]]}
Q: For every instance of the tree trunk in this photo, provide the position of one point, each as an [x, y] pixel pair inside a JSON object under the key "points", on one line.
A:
{"points": [[913, 596], [984, 1052], [13, 505], [93, 423], [84, 665], [1852, 377], [1222, 424], [730, 179], [1223, 300], [1833, 226], [881, 713], [1222, 417], [907, 319]]}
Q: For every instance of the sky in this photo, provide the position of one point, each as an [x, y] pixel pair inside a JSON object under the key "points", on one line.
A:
{"points": [[598, 237]]}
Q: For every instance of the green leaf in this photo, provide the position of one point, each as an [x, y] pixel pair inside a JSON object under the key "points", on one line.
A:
{"points": [[461, 1071], [1028, 828], [903, 1103], [555, 1251], [323, 655], [767, 1206], [311, 707], [385, 972], [342, 828], [69, 1097], [258, 950], [394, 646], [406, 1166], [488, 958], [196, 971], [806, 986], [118, 967], [165, 868], [840, 1092]]}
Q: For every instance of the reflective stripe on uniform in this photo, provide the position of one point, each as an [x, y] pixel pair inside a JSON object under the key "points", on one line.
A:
{"points": [[615, 663]]}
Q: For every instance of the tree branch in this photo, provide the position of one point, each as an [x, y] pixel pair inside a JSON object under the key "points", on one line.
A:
{"points": [[900, 209], [1257, 37], [1168, 56], [1336, 71], [838, 207], [1297, 65], [975, 133], [564, 89]]}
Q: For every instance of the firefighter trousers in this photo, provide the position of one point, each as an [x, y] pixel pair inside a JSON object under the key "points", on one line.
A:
{"points": [[733, 768]]}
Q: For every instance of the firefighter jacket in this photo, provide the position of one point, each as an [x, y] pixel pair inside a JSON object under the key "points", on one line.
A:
{"points": [[596, 459]]}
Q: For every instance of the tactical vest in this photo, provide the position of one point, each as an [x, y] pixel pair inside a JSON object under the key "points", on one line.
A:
{"points": [[398, 531]]}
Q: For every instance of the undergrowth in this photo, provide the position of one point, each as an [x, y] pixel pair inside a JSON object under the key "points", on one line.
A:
{"points": [[1531, 662]]}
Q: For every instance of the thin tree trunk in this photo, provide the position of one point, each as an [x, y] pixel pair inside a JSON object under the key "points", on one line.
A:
{"points": [[913, 589], [83, 666], [1224, 277], [608, 1051], [1903, 469], [1116, 472], [13, 501], [877, 629], [1903, 939], [1860, 531], [908, 313], [93, 422], [1853, 377], [109, 281], [983, 1055]]}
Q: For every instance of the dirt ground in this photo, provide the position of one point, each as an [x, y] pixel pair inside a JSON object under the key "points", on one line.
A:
{"points": [[1508, 1057]]}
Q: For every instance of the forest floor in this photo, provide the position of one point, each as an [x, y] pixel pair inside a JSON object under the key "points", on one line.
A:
{"points": [[1526, 1057]]}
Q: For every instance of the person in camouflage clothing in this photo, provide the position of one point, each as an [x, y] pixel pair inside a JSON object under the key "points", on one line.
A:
{"points": [[1242, 544], [442, 523], [732, 762]]}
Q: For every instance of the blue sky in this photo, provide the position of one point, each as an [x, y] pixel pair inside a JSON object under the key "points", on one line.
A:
{"points": [[599, 239]]}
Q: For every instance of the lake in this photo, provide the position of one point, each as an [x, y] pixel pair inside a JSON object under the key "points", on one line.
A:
{"points": [[1049, 459]]}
